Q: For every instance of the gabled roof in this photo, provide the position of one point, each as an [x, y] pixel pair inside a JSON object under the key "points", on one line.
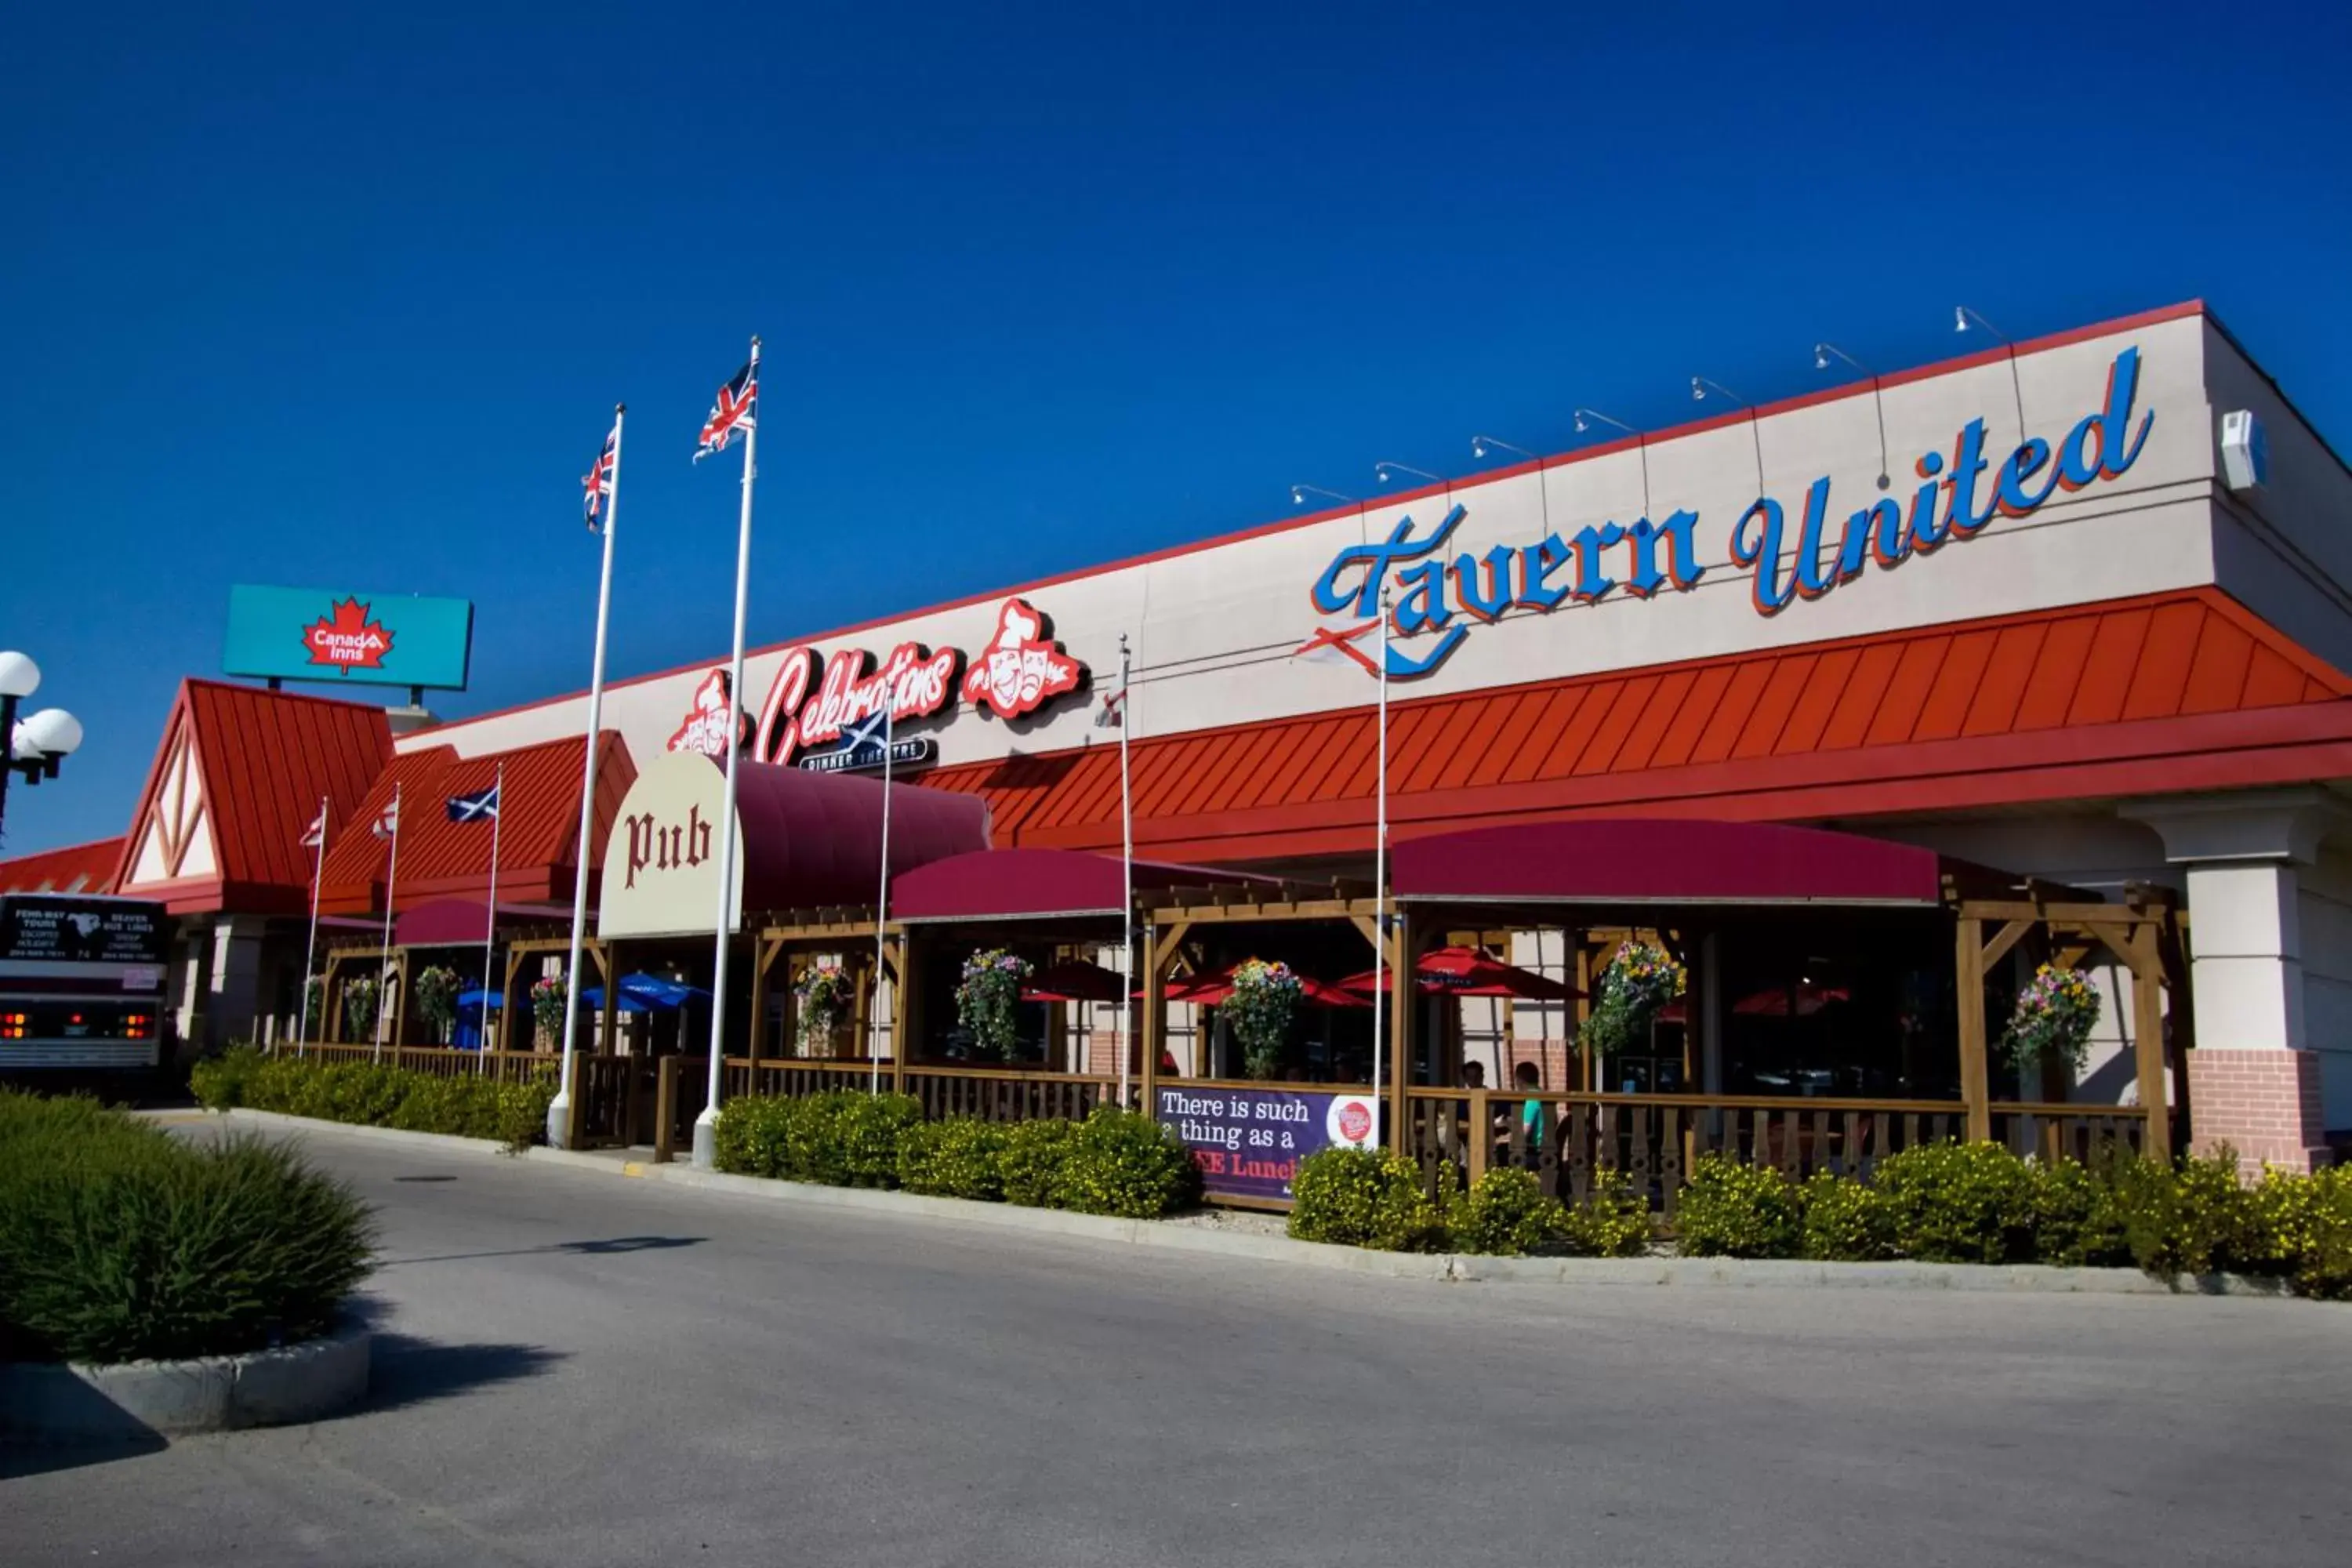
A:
{"points": [[539, 822], [75, 868], [236, 784], [2168, 691]]}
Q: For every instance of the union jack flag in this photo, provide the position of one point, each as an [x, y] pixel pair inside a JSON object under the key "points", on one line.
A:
{"points": [[598, 481], [738, 401]]}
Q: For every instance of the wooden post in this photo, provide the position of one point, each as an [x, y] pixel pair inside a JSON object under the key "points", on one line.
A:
{"points": [[1482, 1133], [1968, 970], [763, 955], [666, 1110], [902, 1002], [2148, 1043], [791, 1018], [1402, 999], [1160, 952], [1581, 1011], [861, 1001], [608, 1026]]}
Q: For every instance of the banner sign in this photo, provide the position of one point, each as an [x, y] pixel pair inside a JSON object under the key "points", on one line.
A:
{"points": [[334, 635], [1248, 1142], [1439, 602]]}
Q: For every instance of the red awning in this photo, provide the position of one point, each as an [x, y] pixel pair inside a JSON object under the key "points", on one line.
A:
{"points": [[811, 839], [458, 922], [1017, 884], [1636, 860]]}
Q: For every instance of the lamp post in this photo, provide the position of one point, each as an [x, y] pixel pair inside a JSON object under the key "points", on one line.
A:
{"points": [[1823, 354], [41, 741]]}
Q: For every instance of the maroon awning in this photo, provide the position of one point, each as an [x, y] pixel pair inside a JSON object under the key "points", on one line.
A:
{"points": [[811, 839], [454, 922], [1025, 884], [1636, 860]]}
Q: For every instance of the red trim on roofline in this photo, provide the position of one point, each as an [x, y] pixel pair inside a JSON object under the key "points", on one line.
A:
{"points": [[1486, 476]]}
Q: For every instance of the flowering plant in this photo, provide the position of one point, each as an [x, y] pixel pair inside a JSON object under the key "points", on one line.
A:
{"points": [[548, 996], [2054, 1016], [822, 995], [986, 996], [1264, 1000], [360, 999], [1642, 978], [437, 998]]}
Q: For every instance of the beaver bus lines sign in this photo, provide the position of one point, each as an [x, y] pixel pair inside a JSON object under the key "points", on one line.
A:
{"points": [[348, 635], [661, 858]]}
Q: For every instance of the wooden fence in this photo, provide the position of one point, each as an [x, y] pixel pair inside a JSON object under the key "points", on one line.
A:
{"points": [[1656, 1139], [440, 1061]]}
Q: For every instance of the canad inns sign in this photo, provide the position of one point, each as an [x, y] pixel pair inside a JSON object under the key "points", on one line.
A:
{"points": [[1956, 497], [826, 714]]}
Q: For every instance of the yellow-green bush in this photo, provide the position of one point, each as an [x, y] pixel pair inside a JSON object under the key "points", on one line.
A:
{"points": [[956, 1158], [373, 1094], [1365, 1197], [1507, 1213], [1730, 1209], [1123, 1162], [1032, 1159], [1613, 1221], [1845, 1221], [1959, 1203]]}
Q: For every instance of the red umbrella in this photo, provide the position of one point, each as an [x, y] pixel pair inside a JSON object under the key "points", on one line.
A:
{"points": [[1210, 989], [1075, 980], [1772, 1002], [1466, 972]]}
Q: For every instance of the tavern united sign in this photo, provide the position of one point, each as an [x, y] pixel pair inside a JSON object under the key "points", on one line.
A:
{"points": [[1441, 598]]}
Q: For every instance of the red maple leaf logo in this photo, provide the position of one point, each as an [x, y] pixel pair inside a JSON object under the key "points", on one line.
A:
{"points": [[346, 639]]}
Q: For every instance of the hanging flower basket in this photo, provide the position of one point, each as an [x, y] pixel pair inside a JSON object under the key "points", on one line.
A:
{"points": [[436, 999], [1641, 979], [360, 997], [548, 996], [986, 996], [822, 999], [1259, 1013], [2054, 1019]]}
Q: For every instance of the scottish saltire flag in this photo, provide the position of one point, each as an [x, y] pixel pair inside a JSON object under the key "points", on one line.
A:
{"points": [[482, 805], [598, 480], [738, 401]]}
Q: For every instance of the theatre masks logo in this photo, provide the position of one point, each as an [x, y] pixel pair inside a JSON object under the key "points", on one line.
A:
{"points": [[710, 719]]}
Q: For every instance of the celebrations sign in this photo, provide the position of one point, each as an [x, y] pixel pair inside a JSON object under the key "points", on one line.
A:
{"points": [[1248, 1142], [343, 635]]}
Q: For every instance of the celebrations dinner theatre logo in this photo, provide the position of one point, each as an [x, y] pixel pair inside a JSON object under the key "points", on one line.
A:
{"points": [[1441, 598], [829, 715], [347, 638]]}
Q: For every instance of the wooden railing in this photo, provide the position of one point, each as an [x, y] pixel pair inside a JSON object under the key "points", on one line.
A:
{"points": [[1006, 1095], [441, 1061], [1655, 1139]]}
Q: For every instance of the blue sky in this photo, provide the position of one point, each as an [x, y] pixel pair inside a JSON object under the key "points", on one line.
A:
{"points": [[301, 298]]}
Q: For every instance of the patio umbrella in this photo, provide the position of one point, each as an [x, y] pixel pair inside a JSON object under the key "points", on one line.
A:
{"points": [[477, 998], [1075, 980], [655, 992], [1210, 989], [593, 997], [1772, 1002], [1466, 972]]}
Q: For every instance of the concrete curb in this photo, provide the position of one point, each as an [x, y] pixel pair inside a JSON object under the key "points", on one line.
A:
{"points": [[131, 1400], [1456, 1269]]}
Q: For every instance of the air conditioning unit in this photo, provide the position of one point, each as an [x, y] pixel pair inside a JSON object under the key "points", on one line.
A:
{"points": [[2246, 452]]}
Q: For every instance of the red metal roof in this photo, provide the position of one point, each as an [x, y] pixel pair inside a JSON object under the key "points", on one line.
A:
{"points": [[74, 869], [2164, 692], [538, 812], [261, 762]]}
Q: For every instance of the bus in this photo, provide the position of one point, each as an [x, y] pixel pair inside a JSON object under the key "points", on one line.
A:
{"points": [[81, 986]]}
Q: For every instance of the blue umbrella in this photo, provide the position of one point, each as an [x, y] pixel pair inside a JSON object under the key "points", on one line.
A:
{"points": [[593, 996], [478, 996], [655, 991]]}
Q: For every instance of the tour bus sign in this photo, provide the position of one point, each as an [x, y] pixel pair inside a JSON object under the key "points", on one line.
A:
{"points": [[1435, 596]]}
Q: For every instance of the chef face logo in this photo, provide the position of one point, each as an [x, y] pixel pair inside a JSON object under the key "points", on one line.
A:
{"points": [[1021, 667]]}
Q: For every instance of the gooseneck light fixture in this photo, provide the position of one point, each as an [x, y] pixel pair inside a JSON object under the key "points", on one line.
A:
{"points": [[1961, 318], [1386, 473], [39, 743], [1585, 419], [1481, 445], [1823, 354], [1298, 494], [1701, 386]]}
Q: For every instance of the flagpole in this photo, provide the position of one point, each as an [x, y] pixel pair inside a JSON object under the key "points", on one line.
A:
{"points": [[311, 943], [559, 1109], [1380, 880], [705, 1126], [490, 921], [882, 903], [383, 958], [1126, 882]]}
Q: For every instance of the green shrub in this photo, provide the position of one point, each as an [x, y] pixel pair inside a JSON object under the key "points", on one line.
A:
{"points": [[2076, 1223], [957, 1158], [1123, 1162], [1507, 1213], [1612, 1222], [2309, 1219], [469, 1104], [1846, 1221], [119, 1243], [1032, 1159], [1959, 1203], [867, 1128], [1730, 1209], [2195, 1217], [752, 1134], [1365, 1197]]}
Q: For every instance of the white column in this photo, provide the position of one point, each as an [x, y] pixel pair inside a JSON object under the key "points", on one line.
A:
{"points": [[235, 985]]}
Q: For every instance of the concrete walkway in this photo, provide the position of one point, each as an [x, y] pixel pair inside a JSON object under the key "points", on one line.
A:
{"points": [[579, 1370]]}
